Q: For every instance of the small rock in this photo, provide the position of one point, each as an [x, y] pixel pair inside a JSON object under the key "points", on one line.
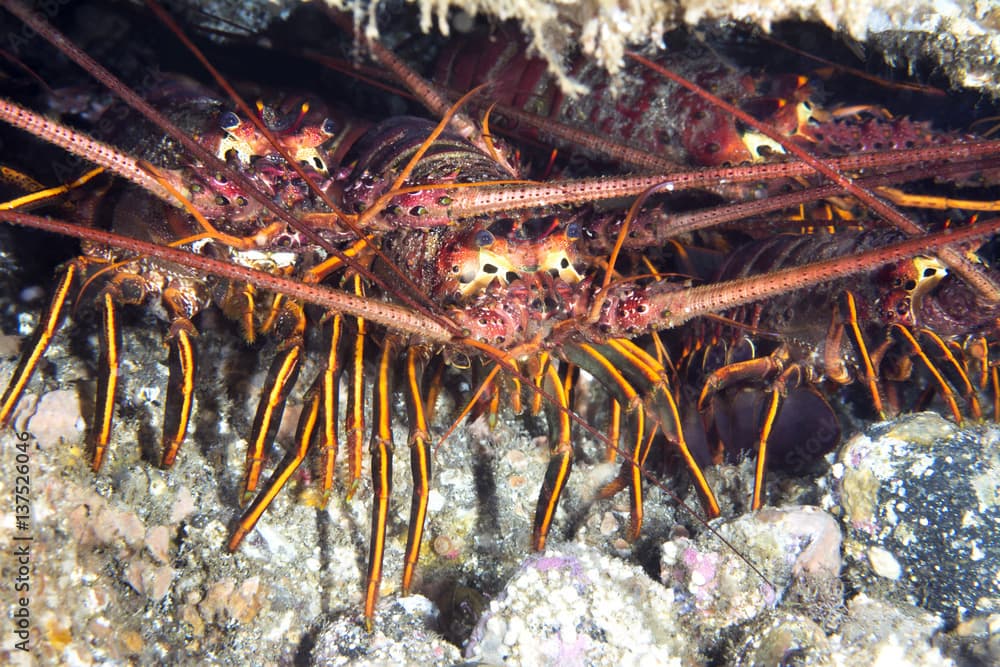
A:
{"points": [[149, 580], [782, 638], [576, 605], [399, 636], [787, 545], [883, 563], [158, 543], [183, 505], [57, 417], [877, 632]]}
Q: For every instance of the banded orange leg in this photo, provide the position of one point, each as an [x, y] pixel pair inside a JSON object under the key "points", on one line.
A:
{"points": [[280, 380], [559, 465], [420, 461], [354, 429], [381, 453], [327, 385], [639, 383], [42, 337], [182, 362], [313, 427]]}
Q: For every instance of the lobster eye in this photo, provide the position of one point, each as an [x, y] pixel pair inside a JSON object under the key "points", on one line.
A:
{"points": [[329, 127], [484, 239], [229, 121], [573, 231]]}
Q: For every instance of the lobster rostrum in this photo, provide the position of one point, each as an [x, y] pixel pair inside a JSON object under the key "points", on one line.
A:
{"points": [[516, 273]]}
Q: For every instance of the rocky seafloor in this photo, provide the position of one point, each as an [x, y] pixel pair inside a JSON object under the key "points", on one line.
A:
{"points": [[890, 557]]}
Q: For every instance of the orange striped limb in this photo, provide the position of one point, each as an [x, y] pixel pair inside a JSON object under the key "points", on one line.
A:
{"points": [[630, 474], [38, 194], [42, 337], [280, 380], [614, 430], [953, 369], [317, 424], [381, 453], [947, 387], [182, 362], [293, 459], [782, 377], [433, 389], [995, 386], [758, 369], [326, 389], [560, 464], [238, 303], [976, 352], [121, 289], [420, 460], [537, 374], [848, 311], [939, 203], [660, 404], [790, 378], [354, 428], [638, 381]]}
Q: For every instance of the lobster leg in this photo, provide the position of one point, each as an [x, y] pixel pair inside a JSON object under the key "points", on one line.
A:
{"points": [[977, 355], [559, 465], [614, 431], [961, 379], [758, 368], [849, 314], [317, 423], [625, 475], [789, 378], [41, 339], [947, 393], [327, 385], [381, 453], [280, 380], [123, 288], [180, 385], [355, 425], [657, 398], [609, 364], [420, 461], [292, 461]]}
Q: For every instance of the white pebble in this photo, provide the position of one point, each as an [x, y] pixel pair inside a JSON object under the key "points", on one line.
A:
{"points": [[884, 564]]}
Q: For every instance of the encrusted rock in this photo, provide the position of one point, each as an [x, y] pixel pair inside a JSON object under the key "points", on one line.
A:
{"points": [[401, 635], [920, 503], [576, 605], [721, 589]]}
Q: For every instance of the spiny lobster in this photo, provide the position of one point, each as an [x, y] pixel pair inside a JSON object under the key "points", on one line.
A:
{"points": [[439, 250]]}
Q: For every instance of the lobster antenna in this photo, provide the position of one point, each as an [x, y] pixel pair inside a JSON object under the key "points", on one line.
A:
{"points": [[259, 123], [57, 39], [952, 257]]}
